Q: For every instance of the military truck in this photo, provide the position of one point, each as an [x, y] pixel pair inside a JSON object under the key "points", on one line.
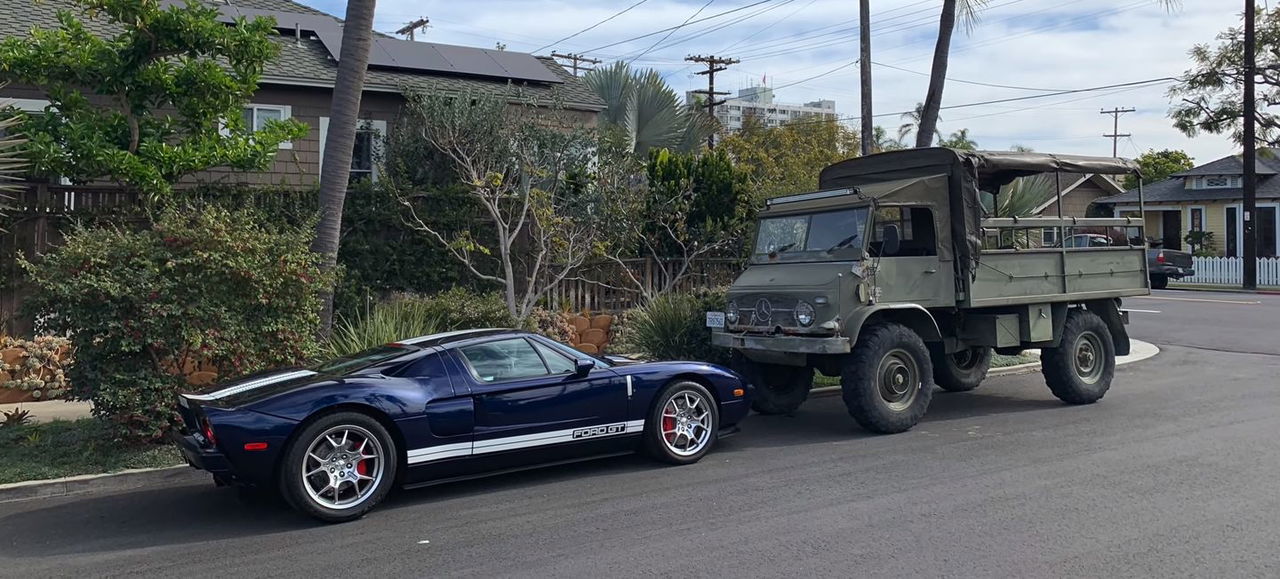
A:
{"points": [[894, 278]]}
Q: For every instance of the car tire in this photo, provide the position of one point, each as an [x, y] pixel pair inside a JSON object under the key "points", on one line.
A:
{"points": [[778, 389], [683, 424], [960, 371], [1080, 369], [1159, 281], [887, 381], [327, 448]]}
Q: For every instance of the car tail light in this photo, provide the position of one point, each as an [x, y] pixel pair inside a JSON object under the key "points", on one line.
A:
{"points": [[207, 430], [1160, 257]]}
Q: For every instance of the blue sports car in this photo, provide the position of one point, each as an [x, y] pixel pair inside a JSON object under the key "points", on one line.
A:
{"points": [[334, 439]]}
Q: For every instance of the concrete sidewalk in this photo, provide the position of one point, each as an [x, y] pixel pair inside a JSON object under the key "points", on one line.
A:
{"points": [[52, 410]]}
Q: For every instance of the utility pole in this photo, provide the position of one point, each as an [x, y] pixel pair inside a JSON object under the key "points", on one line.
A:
{"points": [[864, 59], [410, 28], [577, 58], [714, 64], [1250, 152], [1115, 129]]}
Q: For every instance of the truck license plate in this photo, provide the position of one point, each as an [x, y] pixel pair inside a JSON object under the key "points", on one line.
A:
{"points": [[715, 319]]}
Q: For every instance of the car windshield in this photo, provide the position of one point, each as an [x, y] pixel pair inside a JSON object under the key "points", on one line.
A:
{"points": [[353, 362], [825, 236]]}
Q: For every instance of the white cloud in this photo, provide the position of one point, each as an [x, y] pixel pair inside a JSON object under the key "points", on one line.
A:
{"points": [[1031, 43]]}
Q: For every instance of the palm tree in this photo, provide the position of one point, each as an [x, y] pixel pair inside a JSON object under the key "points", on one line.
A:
{"points": [[959, 140], [968, 11], [648, 113], [1022, 197], [912, 125], [12, 164], [357, 37]]}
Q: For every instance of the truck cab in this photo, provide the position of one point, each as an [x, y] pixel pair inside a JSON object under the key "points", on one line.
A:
{"points": [[894, 278]]}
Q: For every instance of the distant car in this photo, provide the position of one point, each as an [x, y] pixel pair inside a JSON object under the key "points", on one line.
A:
{"points": [[1162, 264], [334, 439]]}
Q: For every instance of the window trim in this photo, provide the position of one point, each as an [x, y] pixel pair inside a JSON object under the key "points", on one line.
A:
{"points": [[1239, 207], [286, 113]]}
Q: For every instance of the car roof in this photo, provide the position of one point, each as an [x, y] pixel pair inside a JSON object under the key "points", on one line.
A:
{"points": [[446, 338]]}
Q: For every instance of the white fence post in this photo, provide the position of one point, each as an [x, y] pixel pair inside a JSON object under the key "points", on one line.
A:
{"points": [[1230, 271]]}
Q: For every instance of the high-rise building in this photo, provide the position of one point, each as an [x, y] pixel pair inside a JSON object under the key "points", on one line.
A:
{"points": [[758, 101]]}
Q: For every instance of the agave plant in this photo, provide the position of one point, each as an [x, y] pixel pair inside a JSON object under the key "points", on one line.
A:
{"points": [[640, 105], [384, 323], [1021, 197]]}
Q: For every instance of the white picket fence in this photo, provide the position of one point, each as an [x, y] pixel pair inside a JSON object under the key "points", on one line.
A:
{"points": [[1230, 271]]}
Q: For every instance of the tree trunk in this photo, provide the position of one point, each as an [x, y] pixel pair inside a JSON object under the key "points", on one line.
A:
{"points": [[357, 37], [937, 76]]}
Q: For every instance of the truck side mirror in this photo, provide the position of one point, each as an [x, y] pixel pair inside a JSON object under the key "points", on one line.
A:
{"points": [[892, 240]]}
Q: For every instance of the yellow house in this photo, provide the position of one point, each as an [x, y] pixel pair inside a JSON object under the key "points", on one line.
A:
{"points": [[1209, 198]]}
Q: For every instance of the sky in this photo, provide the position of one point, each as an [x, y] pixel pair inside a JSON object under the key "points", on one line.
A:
{"points": [[807, 50]]}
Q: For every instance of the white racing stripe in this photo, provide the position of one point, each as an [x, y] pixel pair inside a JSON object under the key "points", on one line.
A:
{"points": [[433, 453], [251, 385]]}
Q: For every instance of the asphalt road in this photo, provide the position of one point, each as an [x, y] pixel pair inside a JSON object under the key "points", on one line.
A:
{"points": [[1173, 474]]}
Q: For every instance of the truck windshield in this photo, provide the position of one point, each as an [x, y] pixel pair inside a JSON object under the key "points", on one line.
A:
{"points": [[825, 236]]}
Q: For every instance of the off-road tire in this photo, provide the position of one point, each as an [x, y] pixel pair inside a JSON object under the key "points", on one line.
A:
{"points": [[1159, 281], [1080, 369], [881, 354], [290, 472], [654, 444], [778, 389], [962, 371]]}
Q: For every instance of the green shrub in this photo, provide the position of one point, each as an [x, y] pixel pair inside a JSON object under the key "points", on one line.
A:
{"points": [[673, 327], [383, 323], [462, 309], [210, 286]]}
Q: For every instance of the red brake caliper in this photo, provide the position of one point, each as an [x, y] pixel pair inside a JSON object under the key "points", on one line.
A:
{"points": [[362, 467], [668, 423]]}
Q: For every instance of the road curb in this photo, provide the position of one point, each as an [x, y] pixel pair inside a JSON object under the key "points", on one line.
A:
{"points": [[1139, 349], [1223, 289], [74, 485]]}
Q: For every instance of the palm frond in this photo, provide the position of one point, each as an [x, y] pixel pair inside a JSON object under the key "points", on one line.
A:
{"points": [[970, 13]]}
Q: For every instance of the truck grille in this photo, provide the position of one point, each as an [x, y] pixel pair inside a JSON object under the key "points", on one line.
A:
{"points": [[761, 311]]}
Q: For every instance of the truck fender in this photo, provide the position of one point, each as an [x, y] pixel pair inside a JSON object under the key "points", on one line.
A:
{"points": [[912, 316], [1109, 311]]}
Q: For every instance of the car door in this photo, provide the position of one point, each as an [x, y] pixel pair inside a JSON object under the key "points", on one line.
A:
{"points": [[529, 396]]}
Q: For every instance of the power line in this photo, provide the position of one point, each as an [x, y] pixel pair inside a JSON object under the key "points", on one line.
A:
{"points": [[575, 59], [1115, 130], [657, 32], [673, 31], [973, 82], [593, 26], [714, 64]]}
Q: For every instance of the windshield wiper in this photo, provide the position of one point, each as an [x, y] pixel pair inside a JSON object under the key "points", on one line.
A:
{"points": [[842, 243], [775, 252]]}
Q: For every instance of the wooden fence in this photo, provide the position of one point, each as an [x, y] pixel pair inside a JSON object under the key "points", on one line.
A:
{"points": [[1230, 271], [606, 287]]}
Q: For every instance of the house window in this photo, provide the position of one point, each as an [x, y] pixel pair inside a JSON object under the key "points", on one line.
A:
{"points": [[368, 145], [256, 117], [1049, 237], [1266, 227], [1217, 182], [1233, 235], [1197, 218]]}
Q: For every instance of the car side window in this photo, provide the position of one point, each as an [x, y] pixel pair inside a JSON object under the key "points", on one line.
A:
{"points": [[503, 360], [557, 362]]}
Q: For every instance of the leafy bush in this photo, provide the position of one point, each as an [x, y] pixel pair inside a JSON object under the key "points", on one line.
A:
{"points": [[40, 369], [462, 309], [210, 287], [673, 327]]}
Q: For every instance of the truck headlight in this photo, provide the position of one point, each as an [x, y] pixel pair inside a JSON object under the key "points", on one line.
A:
{"points": [[731, 313], [804, 314]]}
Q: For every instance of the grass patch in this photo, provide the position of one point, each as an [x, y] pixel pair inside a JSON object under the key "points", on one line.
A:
{"points": [[73, 447]]}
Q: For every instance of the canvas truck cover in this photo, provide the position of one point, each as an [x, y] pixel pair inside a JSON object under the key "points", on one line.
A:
{"points": [[967, 174]]}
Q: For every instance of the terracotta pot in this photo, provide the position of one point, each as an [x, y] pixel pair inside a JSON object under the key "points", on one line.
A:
{"points": [[15, 396]]}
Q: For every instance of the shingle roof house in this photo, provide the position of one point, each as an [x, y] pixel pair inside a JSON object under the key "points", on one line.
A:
{"points": [[1209, 198], [298, 83]]}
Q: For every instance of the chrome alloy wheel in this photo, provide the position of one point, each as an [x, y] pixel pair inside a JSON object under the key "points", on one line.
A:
{"points": [[343, 466], [686, 423], [1087, 356], [899, 380]]}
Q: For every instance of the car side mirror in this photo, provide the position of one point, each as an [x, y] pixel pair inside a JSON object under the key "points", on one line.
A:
{"points": [[892, 240], [583, 367]]}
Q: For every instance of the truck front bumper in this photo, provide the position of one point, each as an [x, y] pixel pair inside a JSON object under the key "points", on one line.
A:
{"points": [[796, 344]]}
